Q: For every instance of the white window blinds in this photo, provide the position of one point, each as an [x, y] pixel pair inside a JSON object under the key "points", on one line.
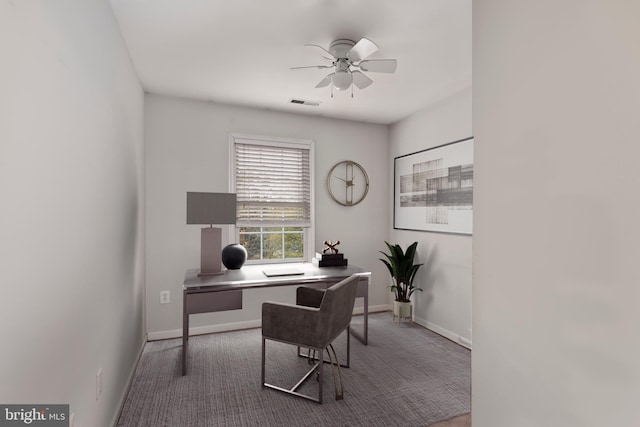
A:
{"points": [[272, 184]]}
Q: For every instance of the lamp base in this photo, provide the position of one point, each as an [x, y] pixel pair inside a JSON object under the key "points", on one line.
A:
{"points": [[210, 251]]}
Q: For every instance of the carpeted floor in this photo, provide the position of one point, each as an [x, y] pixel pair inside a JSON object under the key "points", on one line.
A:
{"points": [[406, 376]]}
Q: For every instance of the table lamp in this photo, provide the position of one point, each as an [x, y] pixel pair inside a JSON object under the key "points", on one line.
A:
{"points": [[211, 208]]}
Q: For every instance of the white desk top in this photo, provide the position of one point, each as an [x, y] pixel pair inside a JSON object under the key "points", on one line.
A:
{"points": [[251, 276]]}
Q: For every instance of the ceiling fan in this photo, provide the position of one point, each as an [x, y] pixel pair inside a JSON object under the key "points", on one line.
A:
{"points": [[346, 54]]}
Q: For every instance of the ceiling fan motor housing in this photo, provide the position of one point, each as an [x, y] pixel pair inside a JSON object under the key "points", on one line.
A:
{"points": [[339, 48]]}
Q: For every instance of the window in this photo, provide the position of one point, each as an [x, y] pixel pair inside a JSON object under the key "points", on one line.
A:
{"points": [[272, 179]]}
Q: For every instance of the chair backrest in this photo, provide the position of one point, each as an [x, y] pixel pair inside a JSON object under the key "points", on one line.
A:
{"points": [[336, 308]]}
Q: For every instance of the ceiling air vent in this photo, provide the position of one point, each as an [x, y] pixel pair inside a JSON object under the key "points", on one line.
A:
{"points": [[304, 102]]}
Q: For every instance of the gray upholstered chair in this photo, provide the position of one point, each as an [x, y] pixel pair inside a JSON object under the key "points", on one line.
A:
{"points": [[317, 319]]}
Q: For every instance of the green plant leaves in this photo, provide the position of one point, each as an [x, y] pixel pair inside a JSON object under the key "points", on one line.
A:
{"points": [[402, 269]]}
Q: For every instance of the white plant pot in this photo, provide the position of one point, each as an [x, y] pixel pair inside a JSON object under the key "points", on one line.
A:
{"points": [[402, 310]]}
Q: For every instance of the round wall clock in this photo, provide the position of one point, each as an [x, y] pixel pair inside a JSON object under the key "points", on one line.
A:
{"points": [[348, 183]]}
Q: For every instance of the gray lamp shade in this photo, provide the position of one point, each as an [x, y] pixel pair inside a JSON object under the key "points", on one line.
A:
{"points": [[211, 208]]}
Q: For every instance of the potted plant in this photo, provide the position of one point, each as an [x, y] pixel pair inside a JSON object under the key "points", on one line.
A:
{"points": [[403, 271]]}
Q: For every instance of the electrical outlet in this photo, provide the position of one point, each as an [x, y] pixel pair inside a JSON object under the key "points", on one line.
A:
{"points": [[165, 297], [99, 384]]}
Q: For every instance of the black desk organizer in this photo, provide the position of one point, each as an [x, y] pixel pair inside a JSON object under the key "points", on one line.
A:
{"points": [[330, 260]]}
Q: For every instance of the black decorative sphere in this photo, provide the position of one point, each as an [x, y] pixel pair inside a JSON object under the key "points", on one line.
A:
{"points": [[234, 256]]}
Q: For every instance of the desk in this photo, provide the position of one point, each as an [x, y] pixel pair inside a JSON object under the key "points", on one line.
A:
{"points": [[224, 292]]}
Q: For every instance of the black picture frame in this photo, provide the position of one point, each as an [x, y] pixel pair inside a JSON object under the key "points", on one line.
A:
{"points": [[433, 189]]}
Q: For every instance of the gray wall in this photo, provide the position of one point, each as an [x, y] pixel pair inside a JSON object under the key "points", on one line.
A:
{"points": [[72, 211], [557, 215], [444, 305], [187, 149]]}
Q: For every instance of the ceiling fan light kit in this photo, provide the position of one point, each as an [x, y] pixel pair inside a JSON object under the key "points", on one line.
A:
{"points": [[341, 80], [346, 54]]}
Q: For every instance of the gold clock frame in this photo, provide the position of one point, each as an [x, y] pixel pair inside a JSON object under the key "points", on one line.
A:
{"points": [[348, 182]]}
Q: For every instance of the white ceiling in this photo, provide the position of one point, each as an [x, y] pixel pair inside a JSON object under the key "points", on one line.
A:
{"points": [[239, 51]]}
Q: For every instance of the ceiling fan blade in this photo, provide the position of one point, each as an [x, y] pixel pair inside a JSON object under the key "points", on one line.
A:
{"points": [[361, 50], [325, 82], [379, 65], [312, 66], [316, 45], [360, 79]]}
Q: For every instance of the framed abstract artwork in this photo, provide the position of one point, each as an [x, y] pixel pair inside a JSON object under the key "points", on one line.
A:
{"points": [[433, 189]]}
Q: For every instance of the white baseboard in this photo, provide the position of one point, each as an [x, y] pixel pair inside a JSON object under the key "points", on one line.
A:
{"points": [[132, 373], [209, 329], [444, 332], [235, 326]]}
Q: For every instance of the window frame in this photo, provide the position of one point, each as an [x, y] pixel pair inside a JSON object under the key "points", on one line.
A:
{"points": [[308, 232]]}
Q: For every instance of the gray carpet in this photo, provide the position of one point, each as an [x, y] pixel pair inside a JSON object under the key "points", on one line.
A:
{"points": [[406, 376]]}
